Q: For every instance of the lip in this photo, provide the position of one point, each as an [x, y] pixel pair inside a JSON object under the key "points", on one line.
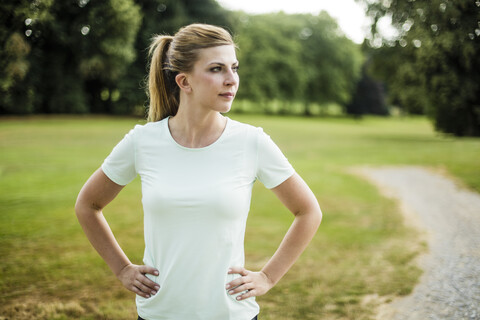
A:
{"points": [[228, 95]]}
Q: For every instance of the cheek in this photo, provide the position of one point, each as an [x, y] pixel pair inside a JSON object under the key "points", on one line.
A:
{"points": [[208, 79]]}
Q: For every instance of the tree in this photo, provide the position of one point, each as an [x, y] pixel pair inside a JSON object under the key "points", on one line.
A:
{"points": [[368, 98], [299, 57], [269, 55], [439, 46], [332, 61], [79, 49], [15, 88], [403, 86], [84, 51]]}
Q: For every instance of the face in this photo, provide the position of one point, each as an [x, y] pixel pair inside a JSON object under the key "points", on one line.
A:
{"points": [[214, 80]]}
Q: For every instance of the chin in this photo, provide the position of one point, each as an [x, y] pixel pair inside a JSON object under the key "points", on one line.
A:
{"points": [[225, 109]]}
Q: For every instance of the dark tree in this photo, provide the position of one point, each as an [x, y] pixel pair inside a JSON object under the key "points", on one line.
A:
{"points": [[369, 97], [436, 60]]}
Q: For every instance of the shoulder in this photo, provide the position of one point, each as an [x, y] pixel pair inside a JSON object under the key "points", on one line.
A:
{"points": [[238, 127], [148, 129], [247, 133]]}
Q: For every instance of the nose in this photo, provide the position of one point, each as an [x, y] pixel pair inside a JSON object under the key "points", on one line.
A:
{"points": [[231, 78]]}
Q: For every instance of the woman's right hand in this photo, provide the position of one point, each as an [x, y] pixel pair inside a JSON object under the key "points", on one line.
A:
{"points": [[133, 278]]}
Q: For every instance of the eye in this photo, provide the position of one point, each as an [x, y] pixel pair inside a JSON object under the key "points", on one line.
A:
{"points": [[235, 68], [216, 69]]}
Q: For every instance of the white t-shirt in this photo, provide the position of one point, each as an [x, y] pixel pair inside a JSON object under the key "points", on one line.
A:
{"points": [[196, 202]]}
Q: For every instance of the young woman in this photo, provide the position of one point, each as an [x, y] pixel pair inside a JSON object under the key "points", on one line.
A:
{"points": [[197, 169]]}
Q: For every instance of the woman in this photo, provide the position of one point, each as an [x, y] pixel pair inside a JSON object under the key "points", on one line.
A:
{"points": [[197, 169]]}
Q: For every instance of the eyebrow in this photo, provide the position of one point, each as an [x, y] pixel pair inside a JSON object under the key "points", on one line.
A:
{"points": [[222, 64]]}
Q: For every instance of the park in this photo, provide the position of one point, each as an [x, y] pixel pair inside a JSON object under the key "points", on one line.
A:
{"points": [[376, 130]]}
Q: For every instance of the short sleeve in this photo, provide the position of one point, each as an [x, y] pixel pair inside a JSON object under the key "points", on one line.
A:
{"points": [[273, 167], [119, 166]]}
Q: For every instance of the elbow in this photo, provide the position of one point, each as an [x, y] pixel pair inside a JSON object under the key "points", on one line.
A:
{"points": [[79, 209], [84, 210], [312, 216], [317, 217], [316, 214], [320, 216]]}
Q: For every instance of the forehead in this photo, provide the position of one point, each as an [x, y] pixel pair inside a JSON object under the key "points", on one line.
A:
{"points": [[223, 54]]}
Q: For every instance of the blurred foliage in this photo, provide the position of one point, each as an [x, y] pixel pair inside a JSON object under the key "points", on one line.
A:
{"points": [[298, 57], [433, 65], [78, 48], [82, 56]]}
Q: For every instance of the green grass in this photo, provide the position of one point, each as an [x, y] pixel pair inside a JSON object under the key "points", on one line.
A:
{"points": [[362, 250]]}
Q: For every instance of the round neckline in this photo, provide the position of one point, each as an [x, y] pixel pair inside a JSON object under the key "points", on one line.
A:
{"points": [[211, 145]]}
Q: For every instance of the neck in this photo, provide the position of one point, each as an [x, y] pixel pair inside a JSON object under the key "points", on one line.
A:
{"points": [[193, 129]]}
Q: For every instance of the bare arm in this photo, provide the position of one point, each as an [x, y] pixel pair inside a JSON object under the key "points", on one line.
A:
{"points": [[97, 192], [300, 200]]}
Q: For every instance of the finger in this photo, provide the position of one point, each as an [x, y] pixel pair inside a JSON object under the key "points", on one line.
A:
{"points": [[139, 292], [246, 295], [144, 288], [239, 270], [238, 282], [241, 288], [149, 283], [147, 269]]}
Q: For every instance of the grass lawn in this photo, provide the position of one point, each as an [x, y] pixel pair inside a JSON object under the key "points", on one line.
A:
{"points": [[363, 253]]}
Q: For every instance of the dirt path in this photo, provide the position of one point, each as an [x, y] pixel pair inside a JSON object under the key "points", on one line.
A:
{"points": [[450, 285]]}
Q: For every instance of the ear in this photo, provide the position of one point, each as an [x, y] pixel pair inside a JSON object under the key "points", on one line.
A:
{"points": [[182, 81]]}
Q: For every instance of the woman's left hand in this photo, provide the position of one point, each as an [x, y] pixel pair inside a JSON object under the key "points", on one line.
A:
{"points": [[254, 283]]}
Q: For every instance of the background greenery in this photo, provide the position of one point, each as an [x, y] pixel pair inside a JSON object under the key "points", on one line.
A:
{"points": [[432, 65], [362, 255], [82, 56]]}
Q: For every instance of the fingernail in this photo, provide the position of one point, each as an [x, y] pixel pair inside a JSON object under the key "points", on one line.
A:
{"points": [[231, 292], [157, 288], [155, 273], [148, 296], [230, 270], [227, 286], [154, 292], [239, 298]]}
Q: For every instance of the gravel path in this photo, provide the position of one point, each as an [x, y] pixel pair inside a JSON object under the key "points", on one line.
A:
{"points": [[450, 285]]}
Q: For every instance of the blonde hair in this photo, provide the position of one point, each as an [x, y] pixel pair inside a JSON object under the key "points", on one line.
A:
{"points": [[173, 54]]}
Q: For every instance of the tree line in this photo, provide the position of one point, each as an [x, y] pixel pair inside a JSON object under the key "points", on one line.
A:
{"points": [[82, 56]]}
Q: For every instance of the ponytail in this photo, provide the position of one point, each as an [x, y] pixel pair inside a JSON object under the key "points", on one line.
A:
{"points": [[162, 89]]}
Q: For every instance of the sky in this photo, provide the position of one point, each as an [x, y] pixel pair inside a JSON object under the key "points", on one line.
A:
{"points": [[349, 14]]}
